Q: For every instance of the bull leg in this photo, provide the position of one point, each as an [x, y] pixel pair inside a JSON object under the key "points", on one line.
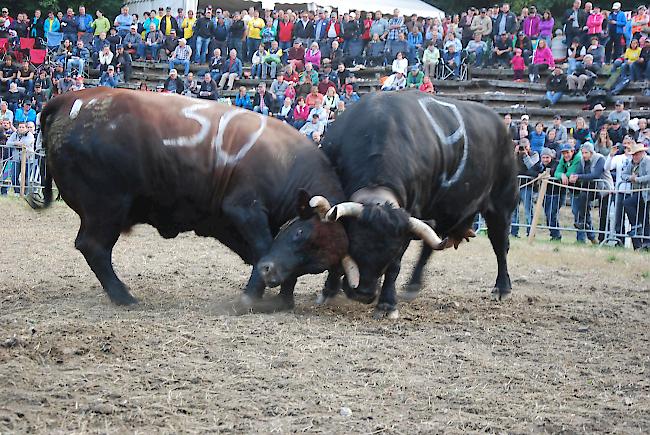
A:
{"points": [[412, 289], [252, 224], [95, 241], [498, 222], [387, 304], [332, 287]]}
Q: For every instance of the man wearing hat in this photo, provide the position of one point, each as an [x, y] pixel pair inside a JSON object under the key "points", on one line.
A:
{"points": [[174, 84], [169, 45], [181, 56], [26, 113], [616, 22], [636, 204], [615, 131], [528, 165], [597, 121], [132, 40], [556, 86], [566, 167], [109, 78], [591, 174], [619, 113], [414, 78], [123, 62]]}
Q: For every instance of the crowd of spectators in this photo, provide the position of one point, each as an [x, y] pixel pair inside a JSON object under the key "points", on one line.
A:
{"points": [[311, 58]]}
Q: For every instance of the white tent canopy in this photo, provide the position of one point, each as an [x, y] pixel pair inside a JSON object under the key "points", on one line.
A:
{"points": [[406, 7]]}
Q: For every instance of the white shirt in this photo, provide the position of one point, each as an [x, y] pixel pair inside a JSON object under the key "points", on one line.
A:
{"points": [[619, 163]]}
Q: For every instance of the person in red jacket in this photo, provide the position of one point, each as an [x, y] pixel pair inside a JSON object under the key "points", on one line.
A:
{"points": [[285, 32]]}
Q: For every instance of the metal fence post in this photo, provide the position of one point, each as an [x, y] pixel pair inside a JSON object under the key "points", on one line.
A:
{"points": [[23, 169], [539, 205]]}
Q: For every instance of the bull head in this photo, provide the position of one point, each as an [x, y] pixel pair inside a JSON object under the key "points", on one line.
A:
{"points": [[419, 229], [309, 244]]}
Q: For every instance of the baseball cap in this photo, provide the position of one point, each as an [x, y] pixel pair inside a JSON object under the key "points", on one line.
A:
{"points": [[565, 147], [620, 103], [616, 6], [557, 117], [525, 117]]}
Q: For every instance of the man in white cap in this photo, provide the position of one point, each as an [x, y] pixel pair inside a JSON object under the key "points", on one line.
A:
{"points": [[616, 22], [636, 204]]}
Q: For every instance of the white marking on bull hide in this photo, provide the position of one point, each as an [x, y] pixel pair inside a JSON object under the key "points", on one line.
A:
{"points": [[194, 140], [76, 107], [223, 157], [460, 133]]}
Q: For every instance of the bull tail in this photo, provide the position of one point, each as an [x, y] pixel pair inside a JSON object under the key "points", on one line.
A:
{"points": [[47, 189]]}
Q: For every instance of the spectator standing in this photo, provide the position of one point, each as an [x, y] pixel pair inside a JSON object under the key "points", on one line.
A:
{"points": [[123, 21], [636, 204], [254, 34], [537, 138], [203, 31], [581, 132], [20, 141], [303, 29], [506, 22], [123, 62], [168, 23], [597, 121], [69, 26], [100, 24], [518, 65], [529, 165], [37, 23], [546, 24], [616, 29], [395, 28], [575, 20]]}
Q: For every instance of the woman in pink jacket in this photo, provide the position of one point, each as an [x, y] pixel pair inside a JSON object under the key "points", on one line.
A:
{"points": [[313, 56], [546, 27], [542, 60], [595, 23]]}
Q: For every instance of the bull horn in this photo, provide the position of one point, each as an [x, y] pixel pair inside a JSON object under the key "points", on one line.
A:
{"points": [[321, 204], [427, 234], [351, 271], [353, 209]]}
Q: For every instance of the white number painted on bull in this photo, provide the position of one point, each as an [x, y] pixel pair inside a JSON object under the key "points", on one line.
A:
{"points": [[192, 141], [460, 133], [223, 157], [76, 108]]}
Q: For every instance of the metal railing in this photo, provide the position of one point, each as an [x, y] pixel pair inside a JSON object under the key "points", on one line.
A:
{"points": [[613, 217], [21, 172]]}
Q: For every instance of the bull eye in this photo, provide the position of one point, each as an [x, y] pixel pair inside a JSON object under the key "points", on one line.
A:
{"points": [[298, 235]]}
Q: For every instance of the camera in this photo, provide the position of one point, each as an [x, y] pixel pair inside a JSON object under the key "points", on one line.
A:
{"points": [[521, 148]]}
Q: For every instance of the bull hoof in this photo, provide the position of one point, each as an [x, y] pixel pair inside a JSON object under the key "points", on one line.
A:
{"points": [[361, 297], [247, 304], [323, 300], [123, 299], [410, 292], [500, 294], [385, 311]]}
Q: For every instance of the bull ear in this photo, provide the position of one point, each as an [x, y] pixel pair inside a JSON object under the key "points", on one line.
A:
{"points": [[303, 209]]}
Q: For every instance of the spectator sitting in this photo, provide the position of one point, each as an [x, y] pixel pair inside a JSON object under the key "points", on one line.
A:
{"points": [[191, 86], [300, 113], [398, 46], [65, 84], [271, 61], [262, 101], [430, 59], [330, 100], [518, 65], [208, 88], [169, 44], [394, 82], [113, 39], [452, 59], [14, 97], [314, 98], [575, 54], [26, 113], [105, 59], [296, 56], [313, 56], [316, 137], [615, 131], [400, 64], [414, 40], [349, 96], [25, 77], [603, 144], [415, 78], [181, 56], [108, 78], [285, 113], [152, 42], [597, 53], [79, 57], [216, 64], [63, 53], [232, 70], [78, 84], [123, 64], [502, 51], [132, 40], [597, 121], [307, 79], [243, 100], [556, 86], [636, 204], [5, 113], [336, 54], [640, 69], [581, 132], [427, 86], [375, 51], [279, 89], [291, 75], [582, 79], [174, 84], [325, 84], [542, 60], [621, 114], [476, 50], [258, 55], [313, 126], [631, 55]]}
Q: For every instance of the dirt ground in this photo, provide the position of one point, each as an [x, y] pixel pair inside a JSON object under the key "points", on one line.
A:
{"points": [[569, 352]]}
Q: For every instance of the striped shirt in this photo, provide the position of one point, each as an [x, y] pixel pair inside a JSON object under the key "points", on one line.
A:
{"points": [[183, 53]]}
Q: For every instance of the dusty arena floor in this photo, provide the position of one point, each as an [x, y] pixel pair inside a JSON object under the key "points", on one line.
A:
{"points": [[569, 352]]}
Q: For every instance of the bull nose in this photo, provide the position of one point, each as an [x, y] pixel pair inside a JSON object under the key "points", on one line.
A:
{"points": [[267, 270]]}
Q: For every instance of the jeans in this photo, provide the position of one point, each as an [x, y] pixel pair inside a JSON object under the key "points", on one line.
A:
{"points": [[553, 201], [256, 70], [202, 45], [76, 63], [236, 44], [142, 50], [185, 63], [582, 216], [285, 46], [252, 44], [525, 196], [636, 209], [263, 110], [553, 96], [269, 68], [639, 71], [27, 84], [476, 58], [573, 63]]}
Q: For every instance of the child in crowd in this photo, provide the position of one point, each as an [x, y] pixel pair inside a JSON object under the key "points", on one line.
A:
{"points": [[518, 65]]}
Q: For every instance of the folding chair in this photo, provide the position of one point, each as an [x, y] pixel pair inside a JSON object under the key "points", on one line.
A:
{"points": [[54, 40], [37, 56], [4, 46]]}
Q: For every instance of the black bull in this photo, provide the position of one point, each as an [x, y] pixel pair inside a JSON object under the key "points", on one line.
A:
{"points": [[121, 158], [404, 154]]}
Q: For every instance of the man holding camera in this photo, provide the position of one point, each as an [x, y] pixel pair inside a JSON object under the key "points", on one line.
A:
{"points": [[529, 165]]}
